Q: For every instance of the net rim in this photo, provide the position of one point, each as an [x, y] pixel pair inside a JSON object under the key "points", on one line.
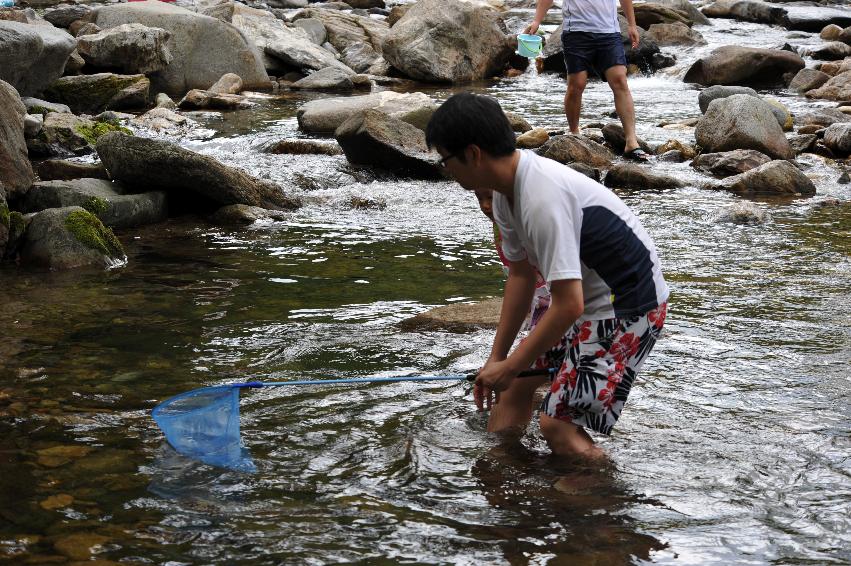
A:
{"points": [[157, 410]]}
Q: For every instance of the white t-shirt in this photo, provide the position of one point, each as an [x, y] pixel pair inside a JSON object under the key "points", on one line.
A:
{"points": [[598, 16], [571, 227]]}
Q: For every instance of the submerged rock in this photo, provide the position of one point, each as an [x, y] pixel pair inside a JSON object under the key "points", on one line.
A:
{"points": [[743, 213], [742, 122], [154, 164], [448, 41], [376, 139], [303, 147], [244, 214], [456, 318], [67, 238]]}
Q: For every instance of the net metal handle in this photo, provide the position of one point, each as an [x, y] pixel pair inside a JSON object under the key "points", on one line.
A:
{"points": [[466, 377]]}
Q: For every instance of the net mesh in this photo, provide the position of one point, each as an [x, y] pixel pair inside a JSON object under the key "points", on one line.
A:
{"points": [[204, 424]]}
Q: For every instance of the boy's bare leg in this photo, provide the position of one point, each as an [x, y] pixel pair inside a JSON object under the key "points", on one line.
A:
{"points": [[567, 439], [514, 409], [616, 77], [573, 99]]}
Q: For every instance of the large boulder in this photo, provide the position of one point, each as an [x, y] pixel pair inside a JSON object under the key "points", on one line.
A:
{"points": [[742, 122], [684, 6], [129, 48], [291, 45], [729, 163], [746, 10], [327, 114], [16, 174], [837, 138], [651, 13], [64, 15], [837, 88], [33, 56], [748, 66], [570, 149], [154, 164], [774, 178], [815, 18], [203, 48], [344, 29], [109, 201], [636, 177], [376, 139], [67, 238], [99, 92], [448, 41], [707, 95], [675, 34]]}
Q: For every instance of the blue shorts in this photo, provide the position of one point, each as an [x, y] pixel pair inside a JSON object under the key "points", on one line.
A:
{"points": [[588, 51]]}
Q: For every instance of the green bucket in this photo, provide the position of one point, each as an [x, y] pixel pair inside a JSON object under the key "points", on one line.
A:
{"points": [[529, 45]]}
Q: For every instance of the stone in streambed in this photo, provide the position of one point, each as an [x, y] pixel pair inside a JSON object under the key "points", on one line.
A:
{"points": [[110, 202], [99, 92], [197, 99], [533, 138], [244, 214], [616, 138], [837, 88], [729, 163], [745, 66], [327, 114], [63, 170], [743, 213], [198, 179], [16, 174], [808, 79], [329, 78], [33, 56], [570, 148], [303, 147], [637, 177], [374, 138], [130, 48], [227, 84], [837, 138], [456, 318], [80, 546], [742, 122], [774, 178]]}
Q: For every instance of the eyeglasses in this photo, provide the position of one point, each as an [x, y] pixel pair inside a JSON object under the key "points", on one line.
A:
{"points": [[443, 161]]}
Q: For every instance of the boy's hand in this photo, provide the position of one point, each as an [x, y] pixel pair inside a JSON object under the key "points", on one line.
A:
{"points": [[495, 377], [633, 36], [531, 28]]}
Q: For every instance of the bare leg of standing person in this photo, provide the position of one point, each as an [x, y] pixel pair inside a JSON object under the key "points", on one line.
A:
{"points": [[616, 77], [567, 439], [514, 409], [573, 99]]}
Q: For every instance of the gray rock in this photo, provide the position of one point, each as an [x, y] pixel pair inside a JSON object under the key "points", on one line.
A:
{"points": [[707, 95], [813, 19], [64, 14], [314, 28], [63, 170], [729, 163], [16, 174], [373, 138], [345, 29], [154, 164], [742, 122], [687, 8], [244, 214], [365, 4], [303, 147], [743, 213], [33, 123], [672, 156], [287, 4], [130, 48], [99, 92], [38, 106], [74, 64], [636, 177], [228, 84], [330, 78], [803, 143], [68, 238], [197, 99], [161, 119], [845, 36], [808, 79], [837, 88], [822, 117], [837, 138], [456, 318], [164, 101], [652, 13], [360, 57], [448, 41], [327, 114], [87, 28], [570, 148], [773, 178], [291, 45], [33, 56], [831, 51], [675, 34], [202, 48], [65, 135], [109, 201], [748, 66]]}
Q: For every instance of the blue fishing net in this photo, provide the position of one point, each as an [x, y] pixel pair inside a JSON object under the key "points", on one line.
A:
{"points": [[204, 424]]}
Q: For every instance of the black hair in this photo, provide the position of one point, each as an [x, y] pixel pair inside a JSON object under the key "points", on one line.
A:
{"points": [[471, 119]]}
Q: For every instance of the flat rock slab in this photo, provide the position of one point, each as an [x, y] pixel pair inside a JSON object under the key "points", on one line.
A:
{"points": [[105, 199], [99, 92], [775, 178], [63, 170], [327, 114], [636, 177], [456, 318]]}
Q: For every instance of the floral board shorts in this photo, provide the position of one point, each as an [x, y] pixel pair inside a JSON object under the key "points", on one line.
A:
{"points": [[599, 361]]}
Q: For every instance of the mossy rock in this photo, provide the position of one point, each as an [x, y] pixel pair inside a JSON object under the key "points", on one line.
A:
{"points": [[99, 92], [92, 132], [90, 231], [5, 215]]}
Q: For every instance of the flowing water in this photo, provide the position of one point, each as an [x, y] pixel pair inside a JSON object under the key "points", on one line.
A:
{"points": [[733, 448]]}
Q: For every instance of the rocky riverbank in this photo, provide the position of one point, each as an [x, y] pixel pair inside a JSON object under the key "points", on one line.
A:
{"points": [[80, 79]]}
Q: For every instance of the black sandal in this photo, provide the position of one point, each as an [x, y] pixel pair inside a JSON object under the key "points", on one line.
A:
{"points": [[637, 154]]}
